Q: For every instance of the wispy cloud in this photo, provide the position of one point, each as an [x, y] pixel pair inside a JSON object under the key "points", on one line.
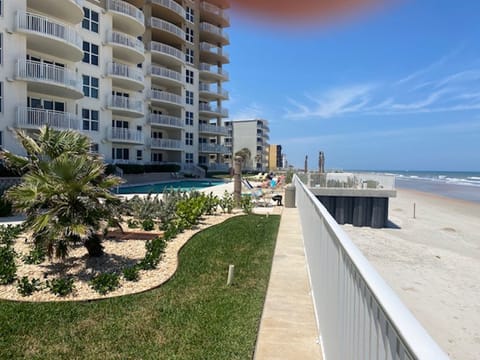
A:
{"points": [[428, 90], [252, 111]]}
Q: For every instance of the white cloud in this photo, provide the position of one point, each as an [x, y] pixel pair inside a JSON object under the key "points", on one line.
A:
{"points": [[252, 111]]}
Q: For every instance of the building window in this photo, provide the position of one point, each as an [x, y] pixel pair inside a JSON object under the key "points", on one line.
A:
{"points": [[90, 86], [139, 154], [189, 118], [189, 76], [94, 148], [120, 154], [90, 53], [90, 20], [157, 157], [90, 119], [189, 14], [188, 138], [189, 55], [189, 35], [189, 97], [189, 158]]}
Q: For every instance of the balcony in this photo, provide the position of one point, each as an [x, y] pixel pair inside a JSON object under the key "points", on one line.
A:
{"points": [[49, 79], [126, 17], [212, 54], [213, 149], [125, 136], [166, 31], [212, 129], [222, 4], [33, 118], [70, 11], [168, 9], [210, 94], [210, 73], [166, 98], [167, 144], [125, 47], [47, 36], [206, 110], [163, 53], [168, 121], [165, 76], [126, 77], [125, 106], [213, 14], [213, 34]]}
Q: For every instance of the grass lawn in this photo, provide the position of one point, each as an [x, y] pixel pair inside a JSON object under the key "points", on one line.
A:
{"points": [[193, 316]]}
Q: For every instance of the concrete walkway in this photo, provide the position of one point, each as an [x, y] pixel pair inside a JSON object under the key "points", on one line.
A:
{"points": [[288, 328]]}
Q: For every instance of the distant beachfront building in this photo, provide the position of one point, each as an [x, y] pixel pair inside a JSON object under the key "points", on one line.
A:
{"points": [[274, 157], [143, 79], [253, 135]]}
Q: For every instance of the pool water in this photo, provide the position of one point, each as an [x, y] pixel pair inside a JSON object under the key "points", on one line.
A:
{"points": [[183, 185]]}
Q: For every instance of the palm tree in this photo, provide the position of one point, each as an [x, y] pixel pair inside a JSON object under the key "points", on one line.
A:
{"points": [[64, 192], [245, 154]]}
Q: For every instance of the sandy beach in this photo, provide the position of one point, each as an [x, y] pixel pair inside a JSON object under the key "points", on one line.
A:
{"points": [[432, 262]]}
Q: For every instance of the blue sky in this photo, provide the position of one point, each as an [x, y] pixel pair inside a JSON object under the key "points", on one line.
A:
{"points": [[397, 88]]}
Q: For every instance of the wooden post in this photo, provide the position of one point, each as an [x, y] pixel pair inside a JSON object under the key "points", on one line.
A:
{"points": [[414, 209], [237, 180], [231, 271]]}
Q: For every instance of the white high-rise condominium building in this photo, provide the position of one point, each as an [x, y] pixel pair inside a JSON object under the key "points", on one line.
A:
{"points": [[252, 135], [142, 78]]}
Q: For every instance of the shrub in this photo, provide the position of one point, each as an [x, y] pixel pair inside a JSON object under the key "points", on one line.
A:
{"points": [[211, 203], [154, 251], [36, 256], [171, 231], [246, 204], [61, 286], [226, 202], [131, 168], [289, 177], [5, 206], [106, 282], [9, 233], [148, 225], [131, 273], [162, 168], [168, 206], [26, 287], [143, 208], [133, 224], [8, 268]]}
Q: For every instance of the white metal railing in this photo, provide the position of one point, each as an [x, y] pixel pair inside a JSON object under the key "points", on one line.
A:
{"points": [[167, 144], [32, 117], [206, 88], [123, 102], [358, 314], [214, 10], [166, 26], [222, 130], [166, 49], [126, 9], [167, 120], [164, 72], [349, 180], [213, 69], [123, 70], [119, 38], [39, 71], [213, 148], [165, 96], [204, 46], [194, 169], [204, 26], [172, 5], [207, 108], [40, 24], [125, 135]]}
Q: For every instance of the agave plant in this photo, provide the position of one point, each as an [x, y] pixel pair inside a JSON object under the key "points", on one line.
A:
{"points": [[64, 192]]}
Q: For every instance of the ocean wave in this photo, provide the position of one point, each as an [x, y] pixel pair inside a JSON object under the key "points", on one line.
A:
{"points": [[469, 181]]}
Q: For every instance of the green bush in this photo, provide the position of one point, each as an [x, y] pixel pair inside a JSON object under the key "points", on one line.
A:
{"points": [[246, 204], [61, 286], [148, 225], [226, 202], [9, 233], [26, 287], [154, 251], [8, 268], [171, 230], [106, 282], [131, 273], [162, 168], [147, 207], [133, 224], [5, 206], [36, 256]]}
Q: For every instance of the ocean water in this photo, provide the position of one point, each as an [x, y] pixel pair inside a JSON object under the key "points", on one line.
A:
{"points": [[463, 185]]}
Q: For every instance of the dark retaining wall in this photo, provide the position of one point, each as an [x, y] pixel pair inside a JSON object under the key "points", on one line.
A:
{"points": [[358, 211]]}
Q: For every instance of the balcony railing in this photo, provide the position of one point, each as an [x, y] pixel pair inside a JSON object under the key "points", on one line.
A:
{"points": [[172, 5], [126, 9], [40, 24], [28, 117], [167, 144], [206, 88], [119, 38], [165, 73], [127, 135], [214, 129], [166, 26], [213, 148], [213, 49], [165, 96], [126, 71], [166, 49], [207, 108], [357, 313], [213, 30], [213, 69], [122, 102], [214, 10], [43, 72], [166, 120]]}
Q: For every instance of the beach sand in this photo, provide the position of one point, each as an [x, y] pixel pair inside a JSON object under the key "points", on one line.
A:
{"points": [[433, 263]]}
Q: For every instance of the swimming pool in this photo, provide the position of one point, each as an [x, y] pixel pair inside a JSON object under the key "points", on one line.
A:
{"points": [[183, 185]]}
